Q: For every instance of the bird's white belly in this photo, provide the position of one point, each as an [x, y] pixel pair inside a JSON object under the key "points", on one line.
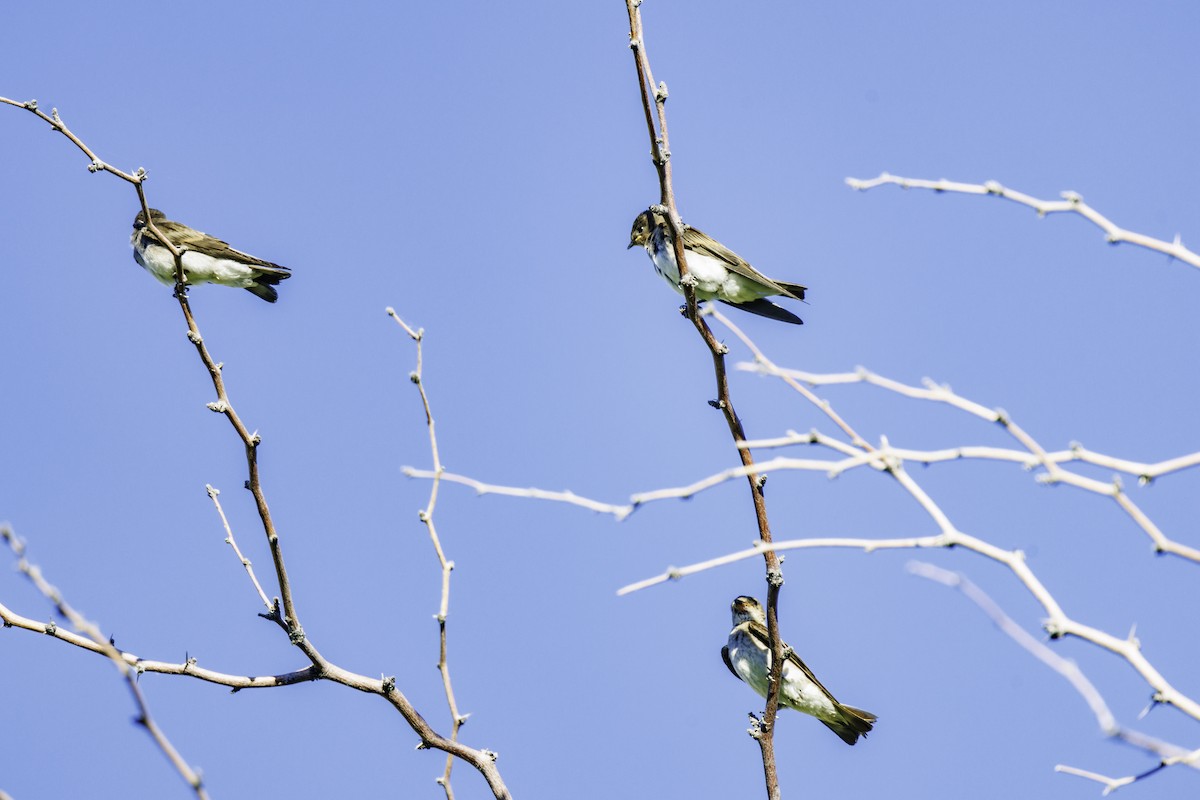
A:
{"points": [[200, 268], [713, 278], [798, 691], [803, 695]]}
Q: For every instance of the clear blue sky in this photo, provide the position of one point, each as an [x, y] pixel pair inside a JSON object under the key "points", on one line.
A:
{"points": [[477, 166]]}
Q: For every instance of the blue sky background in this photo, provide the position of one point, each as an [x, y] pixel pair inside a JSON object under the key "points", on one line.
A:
{"points": [[477, 166]]}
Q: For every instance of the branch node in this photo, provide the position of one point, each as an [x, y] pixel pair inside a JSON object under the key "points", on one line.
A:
{"points": [[96, 166], [717, 404], [414, 377], [296, 636], [661, 94], [195, 338], [217, 407], [389, 684], [774, 578]]}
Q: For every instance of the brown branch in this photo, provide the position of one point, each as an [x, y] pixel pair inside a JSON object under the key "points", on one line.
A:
{"points": [[661, 156], [322, 669]]}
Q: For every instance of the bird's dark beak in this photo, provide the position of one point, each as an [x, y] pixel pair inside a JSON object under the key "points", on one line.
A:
{"points": [[630, 247]]}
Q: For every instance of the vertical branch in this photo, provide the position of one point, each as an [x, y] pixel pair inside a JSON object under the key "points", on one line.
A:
{"points": [[426, 516], [661, 155]]}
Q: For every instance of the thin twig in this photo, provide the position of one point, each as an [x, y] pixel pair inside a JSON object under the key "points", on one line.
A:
{"points": [[447, 566], [103, 645], [569, 497], [1038, 456], [229, 540], [1072, 203]]}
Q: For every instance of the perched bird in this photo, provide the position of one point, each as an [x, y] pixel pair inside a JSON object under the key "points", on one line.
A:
{"points": [[720, 273], [206, 259], [748, 657]]}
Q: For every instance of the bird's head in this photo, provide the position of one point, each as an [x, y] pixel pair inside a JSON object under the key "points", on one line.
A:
{"points": [[644, 226], [641, 230], [139, 221], [747, 608]]}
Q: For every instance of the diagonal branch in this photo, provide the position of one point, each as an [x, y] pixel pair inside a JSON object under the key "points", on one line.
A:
{"points": [[482, 760], [1071, 203], [101, 644]]}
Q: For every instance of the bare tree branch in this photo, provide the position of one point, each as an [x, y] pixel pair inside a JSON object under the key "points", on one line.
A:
{"points": [[283, 613], [1170, 754], [655, 95], [426, 515], [102, 644], [1071, 203]]}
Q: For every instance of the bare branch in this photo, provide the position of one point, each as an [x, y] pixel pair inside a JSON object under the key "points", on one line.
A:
{"points": [[1063, 666], [245, 562], [569, 497], [101, 644], [1072, 202], [655, 95], [482, 760], [456, 719]]}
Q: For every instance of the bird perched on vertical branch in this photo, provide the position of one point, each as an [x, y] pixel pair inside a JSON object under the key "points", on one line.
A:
{"points": [[206, 259], [720, 273], [748, 656]]}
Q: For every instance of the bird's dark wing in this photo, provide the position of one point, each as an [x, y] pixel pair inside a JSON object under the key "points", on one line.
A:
{"points": [[704, 244], [759, 632], [765, 308], [183, 236], [728, 663]]}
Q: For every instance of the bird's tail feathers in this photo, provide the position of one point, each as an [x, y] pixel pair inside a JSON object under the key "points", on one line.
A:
{"points": [[265, 281], [264, 290], [765, 308], [854, 723], [794, 289]]}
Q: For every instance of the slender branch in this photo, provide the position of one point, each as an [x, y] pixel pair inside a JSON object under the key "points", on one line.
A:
{"points": [[55, 122], [1169, 754], [229, 540], [1072, 203], [660, 147], [426, 515], [569, 497], [1054, 472], [482, 760], [101, 644]]}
